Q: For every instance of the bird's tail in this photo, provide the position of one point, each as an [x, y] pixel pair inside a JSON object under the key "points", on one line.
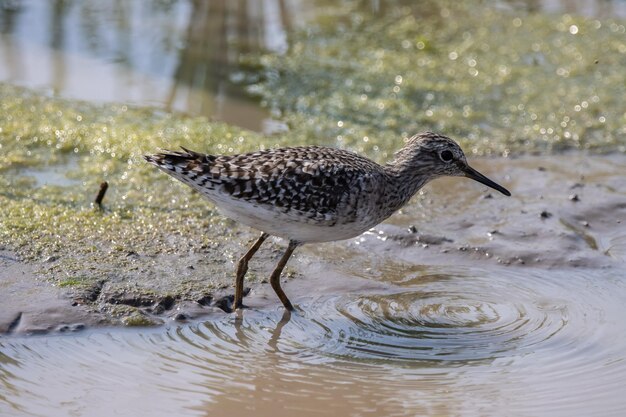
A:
{"points": [[168, 159], [184, 165]]}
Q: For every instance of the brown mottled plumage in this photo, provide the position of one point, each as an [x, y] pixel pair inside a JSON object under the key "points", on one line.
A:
{"points": [[313, 193]]}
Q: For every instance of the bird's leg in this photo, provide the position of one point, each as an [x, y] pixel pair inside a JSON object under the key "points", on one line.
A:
{"points": [[242, 268], [275, 277]]}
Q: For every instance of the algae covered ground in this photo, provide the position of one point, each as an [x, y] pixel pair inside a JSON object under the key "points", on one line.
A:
{"points": [[152, 238], [502, 79]]}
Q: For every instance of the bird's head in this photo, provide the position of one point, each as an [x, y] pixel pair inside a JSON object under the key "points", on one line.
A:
{"points": [[433, 155]]}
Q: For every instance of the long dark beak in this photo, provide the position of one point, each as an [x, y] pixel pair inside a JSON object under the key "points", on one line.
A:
{"points": [[477, 176]]}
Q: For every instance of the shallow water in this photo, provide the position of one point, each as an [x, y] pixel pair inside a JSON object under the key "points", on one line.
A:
{"points": [[445, 341], [175, 55]]}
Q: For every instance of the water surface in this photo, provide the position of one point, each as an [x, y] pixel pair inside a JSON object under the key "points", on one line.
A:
{"points": [[447, 341]]}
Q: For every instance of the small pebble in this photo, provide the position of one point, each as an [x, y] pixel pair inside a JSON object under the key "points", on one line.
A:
{"points": [[166, 303], [180, 317], [412, 229], [545, 215], [574, 197], [205, 300], [225, 303]]}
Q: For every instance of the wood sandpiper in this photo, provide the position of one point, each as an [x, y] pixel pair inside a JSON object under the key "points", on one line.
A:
{"points": [[312, 193]]}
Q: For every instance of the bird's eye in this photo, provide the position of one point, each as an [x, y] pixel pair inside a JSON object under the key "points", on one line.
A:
{"points": [[446, 156]]}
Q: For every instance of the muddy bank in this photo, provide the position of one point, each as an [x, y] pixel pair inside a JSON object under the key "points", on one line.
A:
{"points": [[567, 212], [31, 305]]}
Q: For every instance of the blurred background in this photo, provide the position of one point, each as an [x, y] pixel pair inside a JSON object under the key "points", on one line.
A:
{"points": [[182, 55]]}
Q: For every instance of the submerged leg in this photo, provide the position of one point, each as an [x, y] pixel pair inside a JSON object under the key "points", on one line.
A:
{"points": [[275, 277], [242, 268]]}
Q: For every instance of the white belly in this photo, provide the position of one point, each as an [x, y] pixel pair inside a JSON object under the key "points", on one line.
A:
{"points": [[286, 225]]}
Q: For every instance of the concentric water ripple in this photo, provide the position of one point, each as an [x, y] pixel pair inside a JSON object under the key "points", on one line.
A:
{"points": [[466, 318]]}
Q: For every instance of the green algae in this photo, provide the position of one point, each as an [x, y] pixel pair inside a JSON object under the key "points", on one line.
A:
{"points": [[138, 320], [499, 79], [74, 282], [152, 231]]}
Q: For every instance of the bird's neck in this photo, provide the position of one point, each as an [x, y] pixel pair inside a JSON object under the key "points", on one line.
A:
{"points": [[405, 178]]}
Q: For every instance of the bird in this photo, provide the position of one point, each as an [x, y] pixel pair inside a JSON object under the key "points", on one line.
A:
{"points": [[313, 194]]}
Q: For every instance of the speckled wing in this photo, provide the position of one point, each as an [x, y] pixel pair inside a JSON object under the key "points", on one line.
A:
{"points": [[311, 181]]}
